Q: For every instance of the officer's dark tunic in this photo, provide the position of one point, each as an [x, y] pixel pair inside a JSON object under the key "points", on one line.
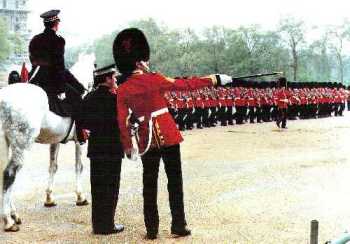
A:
{"points": [[47, 51], [105, 153]]}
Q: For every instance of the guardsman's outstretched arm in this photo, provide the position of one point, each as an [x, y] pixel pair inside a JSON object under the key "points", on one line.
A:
{"points": [[167, 84]]}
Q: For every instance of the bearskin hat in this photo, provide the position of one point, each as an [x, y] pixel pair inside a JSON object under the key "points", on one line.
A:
{"points": [[130, 46], [282, 82]]}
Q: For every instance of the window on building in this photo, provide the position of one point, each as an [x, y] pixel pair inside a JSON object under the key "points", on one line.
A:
{"points": [[17, 4], [4, 3]]}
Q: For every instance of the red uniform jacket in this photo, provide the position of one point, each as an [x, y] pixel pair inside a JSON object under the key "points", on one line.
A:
{"points": [[180, 103], [199, 102], [282, 99], [143, 94]]}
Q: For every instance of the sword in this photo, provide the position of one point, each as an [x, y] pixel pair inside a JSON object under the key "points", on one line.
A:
{"points": [[257, 75]]}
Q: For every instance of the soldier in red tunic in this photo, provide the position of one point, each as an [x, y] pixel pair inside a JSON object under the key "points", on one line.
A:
{"points": [[142, 93], [282, 103]]}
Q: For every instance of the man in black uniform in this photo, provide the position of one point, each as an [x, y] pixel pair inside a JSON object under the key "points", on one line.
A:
{"points": [[46, 52], [104, 150]]}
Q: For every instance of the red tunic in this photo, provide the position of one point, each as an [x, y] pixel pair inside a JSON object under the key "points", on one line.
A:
{"points": [[239, 102], [199, 102], [143, 94], [229, 101], [282, 99]]}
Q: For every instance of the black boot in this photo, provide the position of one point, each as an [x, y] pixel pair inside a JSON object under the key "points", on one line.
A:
{"points": [[180, 232], [151, 235]]}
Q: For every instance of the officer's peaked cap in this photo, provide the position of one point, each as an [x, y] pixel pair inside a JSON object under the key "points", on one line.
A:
{"points": [[51, 16]]}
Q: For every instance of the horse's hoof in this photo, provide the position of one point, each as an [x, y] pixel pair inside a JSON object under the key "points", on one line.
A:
{"points": [[13, 228], [83, 203], [50, 204], [18, 221]]}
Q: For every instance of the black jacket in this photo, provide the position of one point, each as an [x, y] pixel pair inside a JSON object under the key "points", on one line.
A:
{"points": [[99, 116], [47, 51]]}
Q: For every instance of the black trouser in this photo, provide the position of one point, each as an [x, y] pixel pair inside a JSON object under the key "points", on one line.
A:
{"points": [[181, 118], [199, 117], [206, 117], [282, 117], [172, 164], [190, 118], [56, 82], [213, 116], [222, 115], [239, 115], [266, 114], [259, 114], [105, 180], [251, 114], [229, 115], [274, 113]]}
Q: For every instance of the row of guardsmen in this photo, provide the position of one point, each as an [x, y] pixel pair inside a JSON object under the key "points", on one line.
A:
{"points": [[237, 105]]}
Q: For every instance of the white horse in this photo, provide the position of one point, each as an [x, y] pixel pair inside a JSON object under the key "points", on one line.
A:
{"points": [[26, 120]]}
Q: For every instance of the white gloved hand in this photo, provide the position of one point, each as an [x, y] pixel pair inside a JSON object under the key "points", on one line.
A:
{"points": [[132, 154], [223, 79]]}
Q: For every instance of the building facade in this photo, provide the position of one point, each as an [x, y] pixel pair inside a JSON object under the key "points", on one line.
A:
{"points": [[15, 13]]}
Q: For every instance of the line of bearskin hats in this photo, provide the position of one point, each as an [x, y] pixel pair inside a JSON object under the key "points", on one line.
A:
{"points": [[130, 46], [297, 85]]}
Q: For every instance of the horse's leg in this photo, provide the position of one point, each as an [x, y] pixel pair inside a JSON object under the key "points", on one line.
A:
{"points": [[54, 148], [14, 214], [81, 200], [10, 214], [4, 159]]}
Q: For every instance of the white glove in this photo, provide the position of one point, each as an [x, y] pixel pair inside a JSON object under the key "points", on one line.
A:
{"points": [[132, 154], [223, 79]]}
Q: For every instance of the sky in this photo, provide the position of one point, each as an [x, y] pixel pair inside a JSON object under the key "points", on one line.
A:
{"points": [[84, 20]]}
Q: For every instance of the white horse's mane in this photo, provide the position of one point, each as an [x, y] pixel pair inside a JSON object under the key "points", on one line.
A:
{"points": [[83, 69]]}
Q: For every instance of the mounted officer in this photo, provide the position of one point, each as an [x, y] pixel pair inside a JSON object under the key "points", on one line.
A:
{"points": [[46, 52]]}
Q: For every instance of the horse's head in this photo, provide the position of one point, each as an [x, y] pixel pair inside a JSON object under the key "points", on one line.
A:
{"points": [[83, 69]]}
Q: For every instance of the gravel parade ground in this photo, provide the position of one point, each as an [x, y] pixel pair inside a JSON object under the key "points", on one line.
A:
{"points": [[242, 184]]}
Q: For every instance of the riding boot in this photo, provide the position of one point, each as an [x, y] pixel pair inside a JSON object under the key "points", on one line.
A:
{"points": [[82, 135]]}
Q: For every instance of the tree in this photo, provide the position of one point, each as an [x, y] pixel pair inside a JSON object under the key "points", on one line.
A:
{"points": [[214, 50], [316, 60], [18, 45], [292, 31], [4, 41], [239, 51], [338, 36]]}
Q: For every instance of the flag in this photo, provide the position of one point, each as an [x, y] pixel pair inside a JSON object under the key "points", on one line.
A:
{"points": [[24, 73]]}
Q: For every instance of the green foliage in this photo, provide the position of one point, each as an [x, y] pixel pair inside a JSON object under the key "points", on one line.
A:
{"points": [[17, 43], [4, 42], [241, 51]]}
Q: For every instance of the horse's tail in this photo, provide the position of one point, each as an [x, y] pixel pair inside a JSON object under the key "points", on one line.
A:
{"points": [[4, 153]]}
